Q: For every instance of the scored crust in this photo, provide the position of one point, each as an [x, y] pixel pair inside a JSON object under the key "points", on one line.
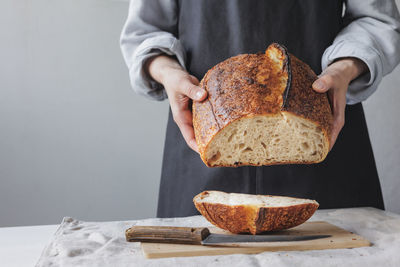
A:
{"points": [[303, 101], [254, 219], [263, 84]]}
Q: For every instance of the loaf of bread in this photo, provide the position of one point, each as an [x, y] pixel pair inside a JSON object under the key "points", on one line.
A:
{"points": [[261, 110], [254, 214]]}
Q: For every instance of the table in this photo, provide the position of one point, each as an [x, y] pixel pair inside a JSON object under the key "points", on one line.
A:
{"points": [[22, 246], [78, 243]]}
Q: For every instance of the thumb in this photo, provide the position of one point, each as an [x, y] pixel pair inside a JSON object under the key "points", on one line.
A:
{"points": [[193, 91], [201, 94], [323, 84]]}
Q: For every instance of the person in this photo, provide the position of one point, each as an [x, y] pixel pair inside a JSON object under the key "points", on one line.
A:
{"points": [[169, 45]]}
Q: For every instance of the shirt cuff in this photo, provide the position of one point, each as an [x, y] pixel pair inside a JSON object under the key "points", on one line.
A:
{"points": [[141, 82], [365, 85]]}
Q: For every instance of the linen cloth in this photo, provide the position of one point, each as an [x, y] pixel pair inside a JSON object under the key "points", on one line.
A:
{"points": [[79, 243]]}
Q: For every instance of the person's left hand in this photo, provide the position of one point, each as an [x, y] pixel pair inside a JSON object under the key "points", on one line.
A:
{"points": [[335, 80]]}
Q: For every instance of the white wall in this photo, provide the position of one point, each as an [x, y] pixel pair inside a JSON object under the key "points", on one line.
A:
{"points": [[75, 140]]}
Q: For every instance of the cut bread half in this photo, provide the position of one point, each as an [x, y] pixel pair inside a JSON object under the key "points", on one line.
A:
{"points": [[261, 110], [254, 214]]}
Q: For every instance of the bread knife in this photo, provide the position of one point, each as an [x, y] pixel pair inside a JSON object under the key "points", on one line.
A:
{"points": [[202, 236]]}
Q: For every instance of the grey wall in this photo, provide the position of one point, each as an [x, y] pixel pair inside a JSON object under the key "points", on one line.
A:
{"points": [[74, 138], [76, 141], [382, 111]]}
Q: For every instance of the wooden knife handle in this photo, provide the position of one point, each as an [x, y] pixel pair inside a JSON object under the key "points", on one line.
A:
{"points": [[166, 234]]}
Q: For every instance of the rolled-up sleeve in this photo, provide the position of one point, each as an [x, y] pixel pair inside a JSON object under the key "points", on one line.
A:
{"points": [[150, 30], [372, 34]]}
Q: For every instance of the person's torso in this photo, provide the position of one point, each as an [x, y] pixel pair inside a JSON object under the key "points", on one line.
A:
{"points": [[214, 30]]}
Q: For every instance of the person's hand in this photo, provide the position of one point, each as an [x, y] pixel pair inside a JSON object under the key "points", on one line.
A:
{"points": [[335, 80], [181, 88]]}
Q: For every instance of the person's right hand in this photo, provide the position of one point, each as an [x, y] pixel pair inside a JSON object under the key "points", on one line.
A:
{"points": [[181, 88]]}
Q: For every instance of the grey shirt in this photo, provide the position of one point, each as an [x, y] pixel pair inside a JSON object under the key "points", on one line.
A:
{"points": [[372, 34]]}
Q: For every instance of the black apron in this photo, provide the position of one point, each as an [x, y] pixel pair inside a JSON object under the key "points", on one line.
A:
{"points": [[214, 30]]}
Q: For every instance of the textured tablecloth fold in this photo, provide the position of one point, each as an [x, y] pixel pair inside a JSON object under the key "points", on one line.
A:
{"points": [[79, 243]]}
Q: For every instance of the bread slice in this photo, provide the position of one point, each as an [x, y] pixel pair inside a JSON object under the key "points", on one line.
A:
{"points": [[261, 110], [254, 214]]}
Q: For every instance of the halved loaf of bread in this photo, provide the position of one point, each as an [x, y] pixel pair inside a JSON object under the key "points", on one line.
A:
{"points": [[245, 213], [261, 110]]}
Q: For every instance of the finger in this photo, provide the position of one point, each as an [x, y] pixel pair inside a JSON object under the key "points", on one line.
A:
{"points": [[323, 83], [188, 135], [334, 134], [183, 118], [339, 106], [336, 128], [191, 90]]}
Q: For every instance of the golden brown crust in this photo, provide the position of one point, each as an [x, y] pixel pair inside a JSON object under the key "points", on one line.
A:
{"points": [[205, 124], [253, 219], [254, 84], [237, 220], [302, 100], [243, 85], [275, 219]]}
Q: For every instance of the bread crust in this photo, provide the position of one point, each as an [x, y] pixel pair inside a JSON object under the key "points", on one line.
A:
{"points": [[240, 219], [251, 84], [303, 101]]}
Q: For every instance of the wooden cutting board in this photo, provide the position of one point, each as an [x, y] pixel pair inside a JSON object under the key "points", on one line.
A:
{"points": [[340, 238]]}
